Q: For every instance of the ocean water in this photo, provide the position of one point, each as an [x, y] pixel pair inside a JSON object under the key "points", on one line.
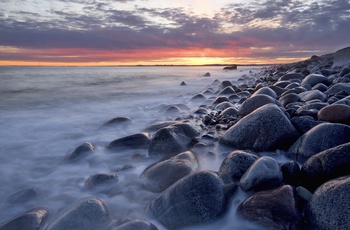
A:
{"points": [[46, 112]]}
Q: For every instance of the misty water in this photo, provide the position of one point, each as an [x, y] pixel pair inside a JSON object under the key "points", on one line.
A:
{"points": [[46, 112]]}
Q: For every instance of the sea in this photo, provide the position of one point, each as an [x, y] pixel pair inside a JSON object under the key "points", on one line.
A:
{"points": [[46, 112]]}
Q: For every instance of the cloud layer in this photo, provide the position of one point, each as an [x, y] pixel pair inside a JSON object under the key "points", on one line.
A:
{"points": [[124, 31]]}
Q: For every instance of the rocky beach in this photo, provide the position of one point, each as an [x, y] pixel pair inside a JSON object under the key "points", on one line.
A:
{"points": [[281, 134]]}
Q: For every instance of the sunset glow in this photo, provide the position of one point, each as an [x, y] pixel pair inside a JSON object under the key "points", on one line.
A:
{"points": [[136, 32]]}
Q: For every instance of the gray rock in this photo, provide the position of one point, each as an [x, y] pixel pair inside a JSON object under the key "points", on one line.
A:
{"points": [[227, 91], [172, 109], [160, 124], [196, 199], [345, 70], [321, 87], [312, 95], [223, 105], [342, 57], [304, 123], [220, 99], [231, 111], [278, 90], [314, 79], [30, 220], [291, 173], [173, 139], [23, 196], [312, 107], [162, 174], [335, 113], [265, 91], [86, 214], [318, 139], [118, 121], [82, 151], [329, 206], [267, 128], [289, 98], [237, 163], [303, 193], [273, 209], [290, 76], [101, 181], [326, 165], [292, 85], [135, 141], [255, 102], [198, 98], [136, 225], [337, 88], [264, 173]]}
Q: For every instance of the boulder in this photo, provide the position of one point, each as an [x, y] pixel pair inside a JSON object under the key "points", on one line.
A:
{"points": [[172, 109], [321, 87], [160, 124], [197, 199], [101, 181], [291, 76], [230, 111], [30, 220], [136, 225], [172, 139], [223, 105], [329, 206], [267, 128], [162, 174], [198, 98], [237, 163], [326, 165], [227, 91], [304, 123], [344, 71], [135, 141], [82, 151], [318, 139], [86, 214], [342, 57], [291, 173], [118, 121], [313, 79], [264, 173], [266, 91], [312, 95], [336, 113], [273, 209], [255, 102], [220, 99], [337, 88], [289, 98]]}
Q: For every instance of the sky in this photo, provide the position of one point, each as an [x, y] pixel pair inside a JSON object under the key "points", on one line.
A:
{"points": [[163, 32]]}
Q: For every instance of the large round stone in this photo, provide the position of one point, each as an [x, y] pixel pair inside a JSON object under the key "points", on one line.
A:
{"points": [[314, 79], [337, 88], [135, 141], [86, 214], [237, 163], [30, 220], [273, 209], [162, 174], [255, 102], [172, 139], [326, 165], [291, 76], [336, 113], [265, 91], [196, 199], [329, 206], [318, 139], [312, 95], [267, 128], [82, 151]]}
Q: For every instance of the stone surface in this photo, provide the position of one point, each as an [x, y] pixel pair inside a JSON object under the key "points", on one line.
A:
{"points": [[162, 174], [338, 88], [23, 196], [326, 165], [30, 220], [265, 91], [329, 206], [101, 181], [290, 76], [255, 102], [231, 111], [312, 95], [135, 141], [318, 139], [196, 199], [291, 173], [342, 57], [304, 123], [267, 128], [117, 122], [79, 153], [289, 98], [237, 163], [136, 225], [336, 113], [160, 124], [173, 139], [264, 173], [273, 209], [314, 79], [86, 214]]}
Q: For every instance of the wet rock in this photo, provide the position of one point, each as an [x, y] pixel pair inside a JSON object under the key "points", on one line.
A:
{"points": [[312, 95], [223, 105], [135, 141], [162, 174], [198, 98], [278, 90], [23, 196], [265, 91], [86, 214], [318, 139], [183, 83], [267, 128], [199, 198], [272, 209], [101, 181], [136, 225], [264, 173], [326, 165], [231, 111], [321, 87], [160, 124], [291, 173], [345, 70], [227, 91], [292, 85], [337, 88], [173, 139], [255, 102], [220, 99], [82, 151], [303, 193], [289, 98], [237, 163], [172, 110], [117, 121], [341, 57], [329, 206], [311, 109], [304, 123], [30, 220], [335, 113], [291, 76], [207, 74], [313, 79]]}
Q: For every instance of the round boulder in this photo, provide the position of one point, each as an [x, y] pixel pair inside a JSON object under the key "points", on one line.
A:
{"points": [[318, 139], [291, 76], [135, 141], [31, 220], [254, 102], [101, 181], [273, 209], [337, 88], [329, 206], [336, 113], [313, 79], [80, 152], [196, 199], [267, 128], [265, 91], [264, 173], [237, 163], [162, 174]]}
